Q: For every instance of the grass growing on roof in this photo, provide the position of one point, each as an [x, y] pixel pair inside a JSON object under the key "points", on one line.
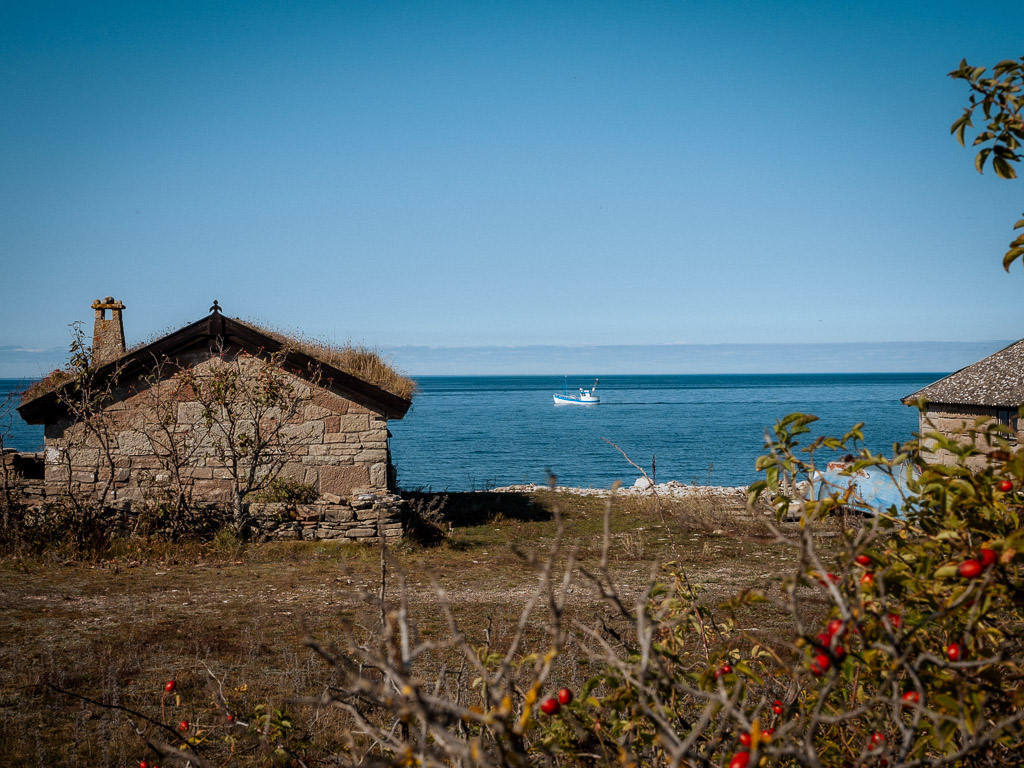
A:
{"points": [[362, 362]]}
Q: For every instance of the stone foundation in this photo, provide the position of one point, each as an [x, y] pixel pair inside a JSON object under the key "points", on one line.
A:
{"points": [[356, 520], [24, 476], [361, 517]]}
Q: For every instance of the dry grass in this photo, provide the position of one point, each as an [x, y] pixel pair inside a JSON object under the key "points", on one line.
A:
{"points": [[361, 362], [56, 378], [116, 629]]}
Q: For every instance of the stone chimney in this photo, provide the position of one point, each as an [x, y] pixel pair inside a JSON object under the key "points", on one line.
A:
{"points": [[107, 334]]}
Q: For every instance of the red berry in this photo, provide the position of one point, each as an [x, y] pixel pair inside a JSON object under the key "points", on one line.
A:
{"points": [[740, 760], [777, 707], [969, 569], [1005, 486], [169, 686], [143, 764], [895, 620], [725, 669], [863, 560], [565, 696], [867, 579], [987, 557], [911, 697], [839, 653], [833, 578], [954, 651], [550, 706], [820, 665], [767, 734], [825, 640], [745, 739], [834, 627], [877, 738], [231, 718], [183, 725]]}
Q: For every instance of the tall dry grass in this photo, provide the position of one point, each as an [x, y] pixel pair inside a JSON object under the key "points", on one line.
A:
{"points": [[362, 362]]}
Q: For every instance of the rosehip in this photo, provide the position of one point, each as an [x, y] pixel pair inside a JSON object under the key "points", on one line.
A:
{"points": [[969, 569], [170, 685], [863, 560], [987, 557], [565, 696], [1005, 486], [740, 760], [953, 651], [820, 665], [550, 706]]}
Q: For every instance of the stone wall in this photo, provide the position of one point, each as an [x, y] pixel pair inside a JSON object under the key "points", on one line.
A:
{"points": [[356, 520], [23, 475], [362, 518], [153, 438], [951, 420]]}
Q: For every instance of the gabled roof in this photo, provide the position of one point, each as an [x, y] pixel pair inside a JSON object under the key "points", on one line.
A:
{"points": [[997, 381], [232, 333]]}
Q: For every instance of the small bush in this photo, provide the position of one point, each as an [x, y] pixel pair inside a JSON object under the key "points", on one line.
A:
{"points": [[286, 490]]}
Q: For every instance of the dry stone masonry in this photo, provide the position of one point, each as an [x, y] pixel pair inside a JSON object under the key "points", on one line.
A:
{"points": [[154, 437]]}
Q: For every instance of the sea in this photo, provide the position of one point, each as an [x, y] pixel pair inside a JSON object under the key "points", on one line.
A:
{"points": [[478, 432]]}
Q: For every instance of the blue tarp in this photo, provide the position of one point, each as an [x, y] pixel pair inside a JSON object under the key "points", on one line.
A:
{"points": [[875, 488]]}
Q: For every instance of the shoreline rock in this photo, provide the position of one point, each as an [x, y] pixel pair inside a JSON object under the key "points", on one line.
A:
{"points": [[672, 488]]}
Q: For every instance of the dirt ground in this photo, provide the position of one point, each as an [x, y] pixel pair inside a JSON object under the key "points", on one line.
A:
{"points": [[114, 629]]}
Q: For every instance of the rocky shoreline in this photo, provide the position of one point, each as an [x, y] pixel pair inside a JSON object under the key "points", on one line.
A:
{"points": [[641, 488]]}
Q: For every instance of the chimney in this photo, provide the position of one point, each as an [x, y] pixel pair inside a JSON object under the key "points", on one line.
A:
{"points": [[107, 334]]}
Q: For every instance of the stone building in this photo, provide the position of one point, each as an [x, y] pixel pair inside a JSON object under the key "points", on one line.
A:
{"points": [[153, 430], [992, 388]]}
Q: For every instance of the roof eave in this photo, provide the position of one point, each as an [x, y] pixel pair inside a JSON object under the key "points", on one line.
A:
{"points": [[230, 331]]}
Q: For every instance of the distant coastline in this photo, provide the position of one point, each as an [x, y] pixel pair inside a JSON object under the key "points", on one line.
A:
{"points": [[682, 359], [643, 359]]}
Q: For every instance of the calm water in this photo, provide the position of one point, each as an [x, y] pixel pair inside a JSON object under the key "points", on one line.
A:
{"points": [[477, 432], [471, 432]]}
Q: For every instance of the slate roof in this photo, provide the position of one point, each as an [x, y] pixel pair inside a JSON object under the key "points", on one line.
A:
{"points": [[997, 381], [217, 327]]}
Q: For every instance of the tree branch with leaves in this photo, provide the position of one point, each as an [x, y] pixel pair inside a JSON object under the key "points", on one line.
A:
{"points": [[1000, 99]]}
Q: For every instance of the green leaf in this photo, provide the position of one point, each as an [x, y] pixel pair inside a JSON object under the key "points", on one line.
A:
{"points": [[980, 158], [1011, 256], [945, 572], [1003, 169]]}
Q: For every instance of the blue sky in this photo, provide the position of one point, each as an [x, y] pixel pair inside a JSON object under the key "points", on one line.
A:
{"points": [[482, 174]]}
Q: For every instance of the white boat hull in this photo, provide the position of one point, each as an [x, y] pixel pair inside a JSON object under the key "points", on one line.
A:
{"points": [[579, 400]]}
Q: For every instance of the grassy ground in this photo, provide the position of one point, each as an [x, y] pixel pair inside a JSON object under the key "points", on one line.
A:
{"points": [[115, 629]]}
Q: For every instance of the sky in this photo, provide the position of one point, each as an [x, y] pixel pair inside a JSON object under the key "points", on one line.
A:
{"points": [[443, 175]]}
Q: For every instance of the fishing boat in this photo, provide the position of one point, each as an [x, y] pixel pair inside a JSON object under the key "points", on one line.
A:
{"points": [[584, 396]]}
